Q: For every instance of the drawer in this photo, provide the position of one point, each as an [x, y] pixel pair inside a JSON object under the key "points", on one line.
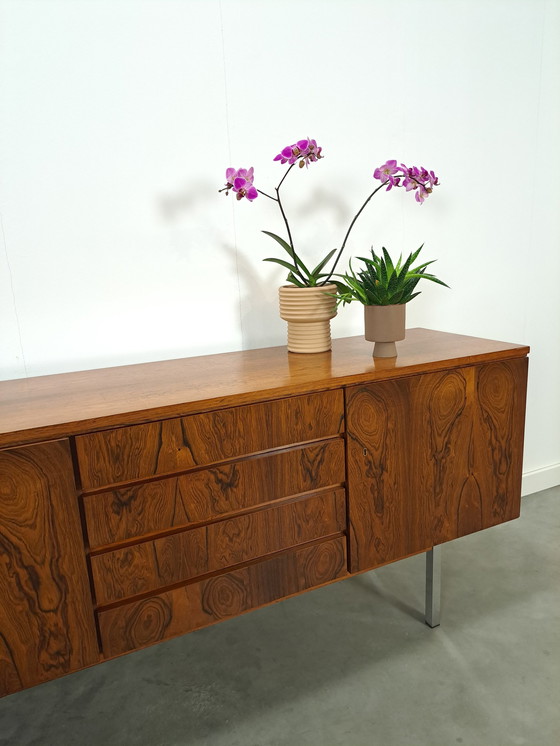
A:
{"points": [[158, 617], [208, 494], [168, 446], [152, 565]]}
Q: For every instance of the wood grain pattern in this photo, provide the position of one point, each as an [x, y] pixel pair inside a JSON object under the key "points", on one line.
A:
{"points": [[199, 604], [500, 422], [214, 462], [46, 617], [432, 458], [471, 469], [442, 452], [172, 559], [211, 493], [73, 403], [389, 518], [174, 445]]}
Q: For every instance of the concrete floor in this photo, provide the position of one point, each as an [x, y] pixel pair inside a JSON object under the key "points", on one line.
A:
{"points": [[349, 664]]}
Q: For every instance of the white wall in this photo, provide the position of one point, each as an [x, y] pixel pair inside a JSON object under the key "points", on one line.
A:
{"points": [[119, 117]]}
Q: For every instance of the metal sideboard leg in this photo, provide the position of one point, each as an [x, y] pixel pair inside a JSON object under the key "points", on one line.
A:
{"points": [[433, 586]]}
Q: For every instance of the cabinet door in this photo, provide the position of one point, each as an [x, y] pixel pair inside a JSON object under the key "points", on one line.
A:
{"points": [[46, 617], [433, 457]]}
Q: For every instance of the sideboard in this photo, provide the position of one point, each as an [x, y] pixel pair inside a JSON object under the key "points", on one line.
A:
{"points": [[142, 502]]}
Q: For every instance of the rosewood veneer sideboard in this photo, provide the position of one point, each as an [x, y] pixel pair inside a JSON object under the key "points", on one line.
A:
{"points": [[142, 502]]}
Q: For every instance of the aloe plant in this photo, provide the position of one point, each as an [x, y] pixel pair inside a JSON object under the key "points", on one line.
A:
{"points": [[381, 282]]}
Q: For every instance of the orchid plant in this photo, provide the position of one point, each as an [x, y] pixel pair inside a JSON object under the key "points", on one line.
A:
{"points": [[303, 153]]}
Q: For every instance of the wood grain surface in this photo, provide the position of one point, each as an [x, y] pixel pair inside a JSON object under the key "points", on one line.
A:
{"points": [[212, 493], [432, 458], [46, 617], [152, 565], [71, 403], [173, 445], [389, 518], [211, 486], [181, 610], [500, 422]]}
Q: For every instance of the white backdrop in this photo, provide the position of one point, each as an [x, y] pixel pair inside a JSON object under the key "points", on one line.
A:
{"points": [[119, 117]]}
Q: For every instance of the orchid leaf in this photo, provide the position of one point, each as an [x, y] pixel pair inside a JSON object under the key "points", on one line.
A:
{"points": [[289, 266], [322, 263], [284, 244], [302, 269]]}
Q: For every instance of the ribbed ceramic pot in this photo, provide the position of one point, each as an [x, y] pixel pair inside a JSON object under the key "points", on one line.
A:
{"points": [[308, 312], [385, 325]]}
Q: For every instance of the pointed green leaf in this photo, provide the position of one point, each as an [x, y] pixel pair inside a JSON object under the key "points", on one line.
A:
{"points": [[388, 263], [284, 244], [283, 263], [322, 263]]}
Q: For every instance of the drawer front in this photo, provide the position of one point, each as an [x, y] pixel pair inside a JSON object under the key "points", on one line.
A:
{"points": [[181, 610], [152, 565], [168, 446], [211, 493]]}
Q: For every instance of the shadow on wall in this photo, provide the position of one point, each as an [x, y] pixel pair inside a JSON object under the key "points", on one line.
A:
{"points": [[258, 299], [261, 325], [181, 200]]}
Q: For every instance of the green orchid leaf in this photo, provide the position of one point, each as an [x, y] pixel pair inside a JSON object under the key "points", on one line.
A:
{"points": [[302, 269], [293, 280], [322, 263], [284, 244], [289, 266]]}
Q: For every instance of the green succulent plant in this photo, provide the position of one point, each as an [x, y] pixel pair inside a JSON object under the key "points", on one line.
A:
{"points": [[381, 282]]}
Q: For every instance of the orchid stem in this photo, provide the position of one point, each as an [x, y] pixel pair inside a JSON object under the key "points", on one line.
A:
{"points": [[356, 216], [260, 191], [294, 255]]}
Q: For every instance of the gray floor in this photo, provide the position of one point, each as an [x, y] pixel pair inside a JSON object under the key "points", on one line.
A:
{"points": [[350, 664]]}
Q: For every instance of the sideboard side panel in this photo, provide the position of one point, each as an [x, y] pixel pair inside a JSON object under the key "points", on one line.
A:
{"points": [[47, 626]]}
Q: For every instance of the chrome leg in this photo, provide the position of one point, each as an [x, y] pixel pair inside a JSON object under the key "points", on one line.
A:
{"points": [[433, 586]]}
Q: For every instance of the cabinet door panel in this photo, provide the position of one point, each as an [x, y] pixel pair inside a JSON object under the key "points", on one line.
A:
{"points": [[474, 477], [46, 617], [499, 423], [441, 453], [433, 457], [389, 518]]}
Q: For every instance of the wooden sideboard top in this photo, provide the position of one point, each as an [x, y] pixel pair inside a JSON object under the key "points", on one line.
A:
{"points": [[45, 407]]}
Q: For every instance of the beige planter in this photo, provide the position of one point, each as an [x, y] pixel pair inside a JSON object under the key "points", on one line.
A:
{"points": [[308, 312], [385, 325]]}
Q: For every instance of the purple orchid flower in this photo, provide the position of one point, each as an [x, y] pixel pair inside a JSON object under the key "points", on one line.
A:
{"points": [[241, 181], [412, 178], [387, 172], [306, 151], [421, 194]]}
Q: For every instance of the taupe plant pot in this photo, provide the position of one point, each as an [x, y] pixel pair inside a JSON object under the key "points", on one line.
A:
{"points": [[308, 312], [385, 325]]}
